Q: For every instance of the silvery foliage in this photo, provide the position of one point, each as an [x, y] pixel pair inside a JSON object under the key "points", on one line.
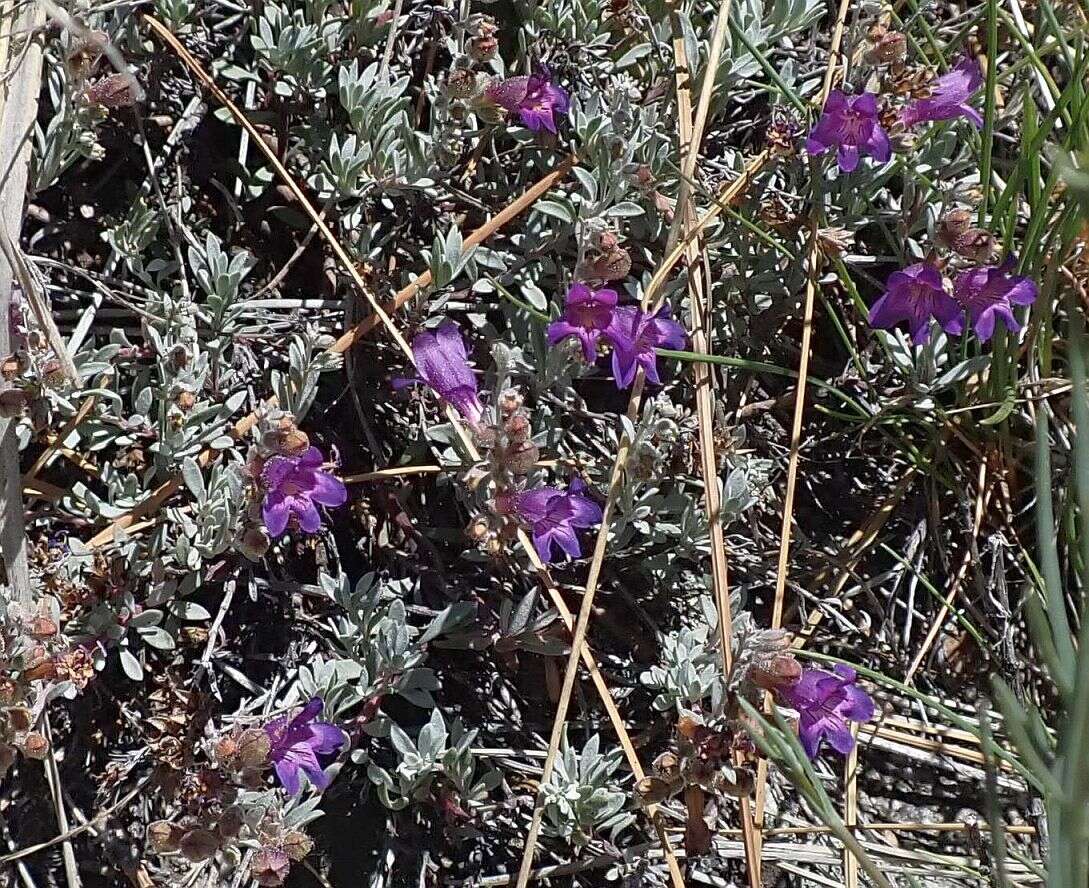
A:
{"points": [[438, 755], [381, 654], [70, 134], [581, 797], [690, 669]]}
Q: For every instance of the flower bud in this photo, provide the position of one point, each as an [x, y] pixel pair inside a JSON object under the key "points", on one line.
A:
{"points": [[510, 401], [518, 428], [952, 226], [226, 749], [185, 400]]}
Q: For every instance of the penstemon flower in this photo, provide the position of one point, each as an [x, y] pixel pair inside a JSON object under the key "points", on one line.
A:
{"points": [[535, 99], [989, 293], [826, 702], [294, 487], [916, 295], [553, 516], [443, 364], [299, 743], [635, 335], [586, 315], [850, 125], [949, 97]]}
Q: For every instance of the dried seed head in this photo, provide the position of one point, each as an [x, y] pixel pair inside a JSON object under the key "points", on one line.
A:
{"points": [[297, 845], [12, 366], [42, 627], [885, 47], [163, 836], [198, 844], [518, 428], [253, 748], [254, 543], [833, 242], [286, 439], [653, 790], [33, 745], [12, 403], [270, 866], [19, 718], [226, 750], [613, 265], [510, 401], [461, 83], [114, 91], [478, 530], [231, 822], [953, 225], [520, 458], [777, 672], [185, 400]]}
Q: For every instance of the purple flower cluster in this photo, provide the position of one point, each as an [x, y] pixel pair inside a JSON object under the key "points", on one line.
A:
{"points": [[851, 124], [535, 99], [981, 295], [553, 516], [634, 334], [442, 362], [294, 488], [299, 744], [949, 97], [826, 702]]}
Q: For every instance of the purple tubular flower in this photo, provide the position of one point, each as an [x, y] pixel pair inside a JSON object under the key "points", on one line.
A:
{"points": [[443, 363], [949, 97], [536, 99], [916, 295], [849, 123], [989, 292], [297, 743], [635, 335], [554, 516], [825, 702], [586, 315], [295, 485]]}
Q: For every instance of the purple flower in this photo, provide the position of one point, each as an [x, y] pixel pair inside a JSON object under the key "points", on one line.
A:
{"points": [[990, 292], [916, 295], [949, 97], [825, 702], [443, 363], [297, 743], [586, 315], [635, 335], [293, 485], [536, 99], [553, 516], [849, 123]]}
